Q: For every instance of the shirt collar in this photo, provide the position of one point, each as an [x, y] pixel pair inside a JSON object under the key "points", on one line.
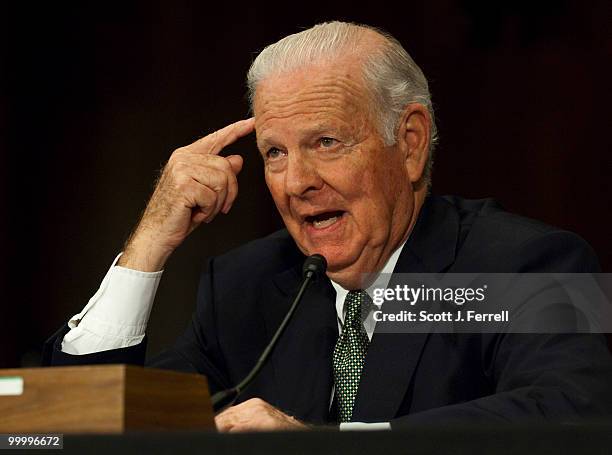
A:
{"points": [[381, 280]]}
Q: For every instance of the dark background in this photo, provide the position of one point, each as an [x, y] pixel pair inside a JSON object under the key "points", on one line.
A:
{"points": [[95, 98]]}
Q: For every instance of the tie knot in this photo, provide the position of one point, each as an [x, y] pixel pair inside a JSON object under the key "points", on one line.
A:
{"points": [[354, 302]]}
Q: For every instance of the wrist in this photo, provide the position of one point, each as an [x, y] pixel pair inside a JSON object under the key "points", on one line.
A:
{"points": [[144, 255]]}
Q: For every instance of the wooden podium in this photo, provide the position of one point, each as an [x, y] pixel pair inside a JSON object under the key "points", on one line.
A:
{"points": [[102, 399]]}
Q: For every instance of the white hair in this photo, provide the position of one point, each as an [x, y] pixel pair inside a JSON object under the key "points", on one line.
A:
{"points": [[389, 73]]}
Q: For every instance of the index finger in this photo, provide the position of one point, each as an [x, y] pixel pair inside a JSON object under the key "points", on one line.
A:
{"points": [[213, 143]]}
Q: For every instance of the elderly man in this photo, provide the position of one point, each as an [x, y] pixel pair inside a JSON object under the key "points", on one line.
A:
{"points": [[345, 127]]}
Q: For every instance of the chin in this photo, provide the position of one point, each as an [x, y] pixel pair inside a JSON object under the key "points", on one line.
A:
{"points": [[338, 253], [336, 256]]}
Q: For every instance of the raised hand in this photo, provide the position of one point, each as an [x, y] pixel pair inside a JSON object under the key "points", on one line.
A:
{"points": [[195, 185]]}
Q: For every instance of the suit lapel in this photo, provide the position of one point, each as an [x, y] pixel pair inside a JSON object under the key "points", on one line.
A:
{"points": [[392, 358], [301, 361]]}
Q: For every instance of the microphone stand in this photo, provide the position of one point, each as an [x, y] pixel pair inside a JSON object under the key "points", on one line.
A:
{"points": [[313, 266]]}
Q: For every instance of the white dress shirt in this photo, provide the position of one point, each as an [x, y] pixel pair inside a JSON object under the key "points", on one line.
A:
{"points": [[118, 313]]}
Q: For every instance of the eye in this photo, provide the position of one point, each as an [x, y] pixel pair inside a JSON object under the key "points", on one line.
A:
{"points": [[327, 142], [273, 153]]}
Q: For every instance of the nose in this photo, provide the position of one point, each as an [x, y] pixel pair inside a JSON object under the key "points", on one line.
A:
{"points": [[302, 176]]}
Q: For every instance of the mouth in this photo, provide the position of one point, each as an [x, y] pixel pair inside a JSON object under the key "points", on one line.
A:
{"points": [[325, 219]]}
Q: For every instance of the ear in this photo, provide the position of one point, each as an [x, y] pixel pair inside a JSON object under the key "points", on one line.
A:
{"points": [[413, 138]]}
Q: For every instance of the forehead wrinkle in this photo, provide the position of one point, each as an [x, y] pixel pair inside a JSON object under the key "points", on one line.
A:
{"points": [[312, 107], [322, 99], [343, 88]]}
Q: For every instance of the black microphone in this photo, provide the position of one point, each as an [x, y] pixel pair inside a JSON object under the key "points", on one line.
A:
{"points": [[314, 266]]}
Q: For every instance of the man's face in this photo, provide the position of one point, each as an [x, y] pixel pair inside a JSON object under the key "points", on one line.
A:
{"points": [[340, 191]]}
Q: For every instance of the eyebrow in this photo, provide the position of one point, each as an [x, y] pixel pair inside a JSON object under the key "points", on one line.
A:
{"points": [[263, 143], [316, 130]]}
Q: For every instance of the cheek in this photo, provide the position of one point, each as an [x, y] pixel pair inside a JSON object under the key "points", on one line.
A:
{"points": [[275, 186], [350, 177], [391, 177], [382, 186]]}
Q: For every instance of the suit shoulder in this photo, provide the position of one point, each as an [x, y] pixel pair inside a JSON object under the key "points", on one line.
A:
{"points": [[488, 214], [509, 242]]}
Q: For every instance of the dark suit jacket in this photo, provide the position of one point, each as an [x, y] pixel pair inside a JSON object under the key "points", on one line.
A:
{"points": [[244, 294]]}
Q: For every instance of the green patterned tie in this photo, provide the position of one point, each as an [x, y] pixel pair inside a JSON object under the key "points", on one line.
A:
{"points": [[349, 355]]}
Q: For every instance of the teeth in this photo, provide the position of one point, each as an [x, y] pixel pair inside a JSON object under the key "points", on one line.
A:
{"points": [[323, 224]]}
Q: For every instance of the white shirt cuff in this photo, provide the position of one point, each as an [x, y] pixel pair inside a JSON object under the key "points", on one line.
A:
{"points": [[117, 315], [363, 426]]}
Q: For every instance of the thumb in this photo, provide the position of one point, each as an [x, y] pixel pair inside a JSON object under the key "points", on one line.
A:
{"points": [[236, 162]]}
